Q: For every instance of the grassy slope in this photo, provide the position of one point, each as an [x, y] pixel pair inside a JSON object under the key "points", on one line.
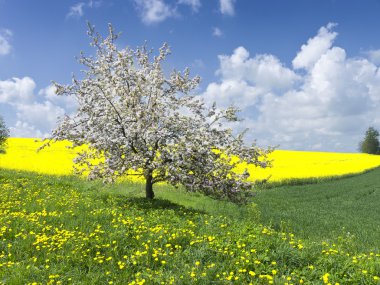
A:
{"points": [[327, 209], [67, 231]]}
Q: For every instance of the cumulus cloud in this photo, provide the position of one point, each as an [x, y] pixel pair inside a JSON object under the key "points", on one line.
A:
{"points": [[315, 47], [36, 112], [227, 7], [325, 106], [69, 103], [16, 90], [265, 71], [232, 92], [216, 32], [154, 11], [374, 56], [44, 115], [24, 130], [5, 46]]}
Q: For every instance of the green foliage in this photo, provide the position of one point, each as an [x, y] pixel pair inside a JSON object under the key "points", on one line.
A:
{"points": [[325, 210], [4, 134], [67, 231], [371, 143]]}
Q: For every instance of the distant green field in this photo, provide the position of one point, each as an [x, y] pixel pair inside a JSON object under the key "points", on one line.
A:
{"points": [[63, 230], [343, 207]]}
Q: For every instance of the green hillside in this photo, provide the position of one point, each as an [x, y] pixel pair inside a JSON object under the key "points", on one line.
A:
{"points": [[348, 207]]}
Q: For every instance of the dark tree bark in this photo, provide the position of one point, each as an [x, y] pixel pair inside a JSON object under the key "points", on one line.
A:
{"points": [[149, 194]]}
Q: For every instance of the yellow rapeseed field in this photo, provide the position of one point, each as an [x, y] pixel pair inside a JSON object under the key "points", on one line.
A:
{"points": [[22, 154], [306, 164]]}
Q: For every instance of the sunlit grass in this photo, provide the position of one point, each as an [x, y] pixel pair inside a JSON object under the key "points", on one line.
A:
{"points": [[62, 230], [287, 165], [348, 206]]}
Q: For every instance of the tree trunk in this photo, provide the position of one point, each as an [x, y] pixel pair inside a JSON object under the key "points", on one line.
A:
{"points": [[149, 194]]}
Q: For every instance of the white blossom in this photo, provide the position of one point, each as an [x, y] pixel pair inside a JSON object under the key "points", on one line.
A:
{"points": [[133, 117]]}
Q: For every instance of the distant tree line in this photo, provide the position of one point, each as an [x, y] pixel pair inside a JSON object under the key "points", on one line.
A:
{"points": [[370, 144]]}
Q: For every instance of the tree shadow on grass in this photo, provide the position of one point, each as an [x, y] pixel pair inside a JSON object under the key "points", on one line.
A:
{"points": [[153, 205]]}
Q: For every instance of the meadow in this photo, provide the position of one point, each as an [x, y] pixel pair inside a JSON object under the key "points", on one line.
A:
{"points": [[346, 207], [63, 230], [59, 229]]}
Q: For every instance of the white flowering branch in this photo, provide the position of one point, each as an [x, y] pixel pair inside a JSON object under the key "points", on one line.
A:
{"points": [[132, 117]]}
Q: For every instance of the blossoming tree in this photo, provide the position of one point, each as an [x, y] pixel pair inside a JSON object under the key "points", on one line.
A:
{"points": [[137, 121]]}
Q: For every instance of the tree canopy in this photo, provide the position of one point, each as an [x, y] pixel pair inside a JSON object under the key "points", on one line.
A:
{"points": [[370, 144], [4, 134], [135, 120]]}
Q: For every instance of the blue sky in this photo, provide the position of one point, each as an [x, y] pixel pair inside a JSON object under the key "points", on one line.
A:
{"points": [[304, 72]]}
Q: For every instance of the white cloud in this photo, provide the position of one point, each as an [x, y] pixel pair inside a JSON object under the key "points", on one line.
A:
{"points": [[374, 56], [154, 11], [327, 106], [17, 90], [69, 103], [195, 4], [94, 4], [24, 130], [36, 115], [5, 46], [315, 47], [232, 92], [76, 10], [216, 32], [227, 7], [44, 115], [264, 70]]}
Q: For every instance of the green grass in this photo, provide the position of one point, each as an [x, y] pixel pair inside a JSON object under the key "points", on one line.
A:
{"points": [[194, 201], [325, 210], [62, 230]]}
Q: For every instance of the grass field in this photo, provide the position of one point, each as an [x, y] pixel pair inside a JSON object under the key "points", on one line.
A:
{"points": [[345, 207], [63, 230]]}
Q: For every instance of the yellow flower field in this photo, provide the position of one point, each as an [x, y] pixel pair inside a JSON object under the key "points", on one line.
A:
{"points": [[22, 154], [306, 164]]}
